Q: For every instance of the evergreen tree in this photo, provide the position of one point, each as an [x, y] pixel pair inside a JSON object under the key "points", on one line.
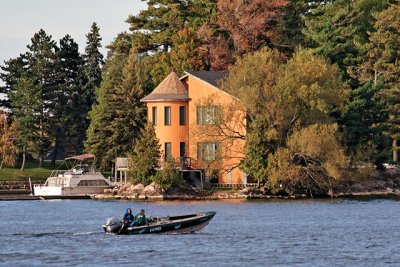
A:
{"points": [[292, 23], [381, 66], [364, 120], [103, 113], [70, 115], [42, 68], [186, 54], [154, 27], [145, 157], [27, 107], [340, 30], [336, 29], [130, 113], [10, 74], [92, 70]]}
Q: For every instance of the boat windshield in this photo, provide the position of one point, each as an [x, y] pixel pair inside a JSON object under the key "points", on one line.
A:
{"points": [[80, 169]]}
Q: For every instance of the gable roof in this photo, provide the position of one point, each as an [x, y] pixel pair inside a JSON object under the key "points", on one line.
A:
{"points": [[211, 77], [170, 89]]}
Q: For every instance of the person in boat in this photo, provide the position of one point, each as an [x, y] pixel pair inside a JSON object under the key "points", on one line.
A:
{"points": [[129, 219], [140, 218]]}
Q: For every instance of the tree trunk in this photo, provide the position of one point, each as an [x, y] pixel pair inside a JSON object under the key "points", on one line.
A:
{"points": [[23, 161], [55, 151], [395, 151], [41, 161], [1, 165]]}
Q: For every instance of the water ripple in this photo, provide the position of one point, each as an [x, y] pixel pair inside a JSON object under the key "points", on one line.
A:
{"points": [[243, 233]]}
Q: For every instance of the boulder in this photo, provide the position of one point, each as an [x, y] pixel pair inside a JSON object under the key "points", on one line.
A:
{"points": [[151, 190], [246, 191], [108, 191], [381, 184], [136, 189]]}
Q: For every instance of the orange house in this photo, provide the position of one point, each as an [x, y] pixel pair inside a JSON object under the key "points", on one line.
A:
{"points": [[194, 121]]}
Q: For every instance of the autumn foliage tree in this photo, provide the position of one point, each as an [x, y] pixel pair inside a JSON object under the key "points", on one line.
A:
{"points": [[8, 147], [251, 24], [282, 97], [305, 165]]}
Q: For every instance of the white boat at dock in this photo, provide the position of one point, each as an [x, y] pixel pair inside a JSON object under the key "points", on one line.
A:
{"points": [[80, 179]]}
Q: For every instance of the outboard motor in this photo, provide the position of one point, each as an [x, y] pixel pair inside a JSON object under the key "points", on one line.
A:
{"points": [[112, 225]]}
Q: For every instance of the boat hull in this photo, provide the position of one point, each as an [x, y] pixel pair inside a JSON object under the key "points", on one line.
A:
{"points": [[68, 191], [170, 225]]}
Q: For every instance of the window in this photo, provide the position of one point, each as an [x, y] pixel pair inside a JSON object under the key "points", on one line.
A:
{"points": [[182, 149], [208, 115], [209, 151], [167, 150], [92, 183], [154, 115], [167, 115], [182, 115]]}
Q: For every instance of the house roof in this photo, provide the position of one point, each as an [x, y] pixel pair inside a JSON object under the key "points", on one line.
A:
{"points": [[170, 89], [211, 77]]}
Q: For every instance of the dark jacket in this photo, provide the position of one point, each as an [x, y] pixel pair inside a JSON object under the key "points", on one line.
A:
{"points": [[129, 217]]}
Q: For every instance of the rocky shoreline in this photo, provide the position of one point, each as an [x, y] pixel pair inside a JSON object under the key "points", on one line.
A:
{"points": [[368, 189]]}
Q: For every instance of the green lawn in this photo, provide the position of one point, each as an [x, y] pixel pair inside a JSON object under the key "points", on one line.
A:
{"points": [[31, 170]]}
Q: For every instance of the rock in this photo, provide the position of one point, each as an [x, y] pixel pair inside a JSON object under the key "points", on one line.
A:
{"points": [[380, 184], [245, 191], [389, 190], [151, 190], [122, 189], [108, 191], [136, 189], [115, 191]]}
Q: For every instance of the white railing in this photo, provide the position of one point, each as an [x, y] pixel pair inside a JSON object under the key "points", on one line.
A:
{"points": [[218, 185]]}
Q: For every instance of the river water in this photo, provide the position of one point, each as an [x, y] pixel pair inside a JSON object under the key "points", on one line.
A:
{"points": [[243, 233]]}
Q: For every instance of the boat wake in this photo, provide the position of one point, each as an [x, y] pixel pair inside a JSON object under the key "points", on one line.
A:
{"points": [[87, 233], [55, 234]]}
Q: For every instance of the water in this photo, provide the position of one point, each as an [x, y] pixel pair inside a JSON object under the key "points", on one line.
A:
{"points": [[243, 233]]}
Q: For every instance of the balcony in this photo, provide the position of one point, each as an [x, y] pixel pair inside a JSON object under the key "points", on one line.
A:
{"points": [[187, 163]]}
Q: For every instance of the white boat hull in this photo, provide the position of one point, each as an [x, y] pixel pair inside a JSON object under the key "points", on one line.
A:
{"points": [[67, 191]]}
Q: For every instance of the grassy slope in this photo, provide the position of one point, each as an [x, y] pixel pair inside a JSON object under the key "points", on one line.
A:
{"points": [[31, 170]]}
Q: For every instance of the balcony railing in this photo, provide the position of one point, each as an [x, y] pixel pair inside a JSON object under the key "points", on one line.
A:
{"points": [[187, 163]]}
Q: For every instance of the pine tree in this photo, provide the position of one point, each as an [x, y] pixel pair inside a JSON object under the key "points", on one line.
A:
{"points": [[292, 23], [382, 66], [10, 74], [186, 54], [339, 31], [336, 28], [145, 157], [154, 27], [42, 67], [27, 107], [130, 113], [103, 113], [92, 71], [70, 115]]}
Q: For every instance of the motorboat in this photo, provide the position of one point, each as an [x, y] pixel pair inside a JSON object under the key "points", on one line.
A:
{"points": [[180, 224], [80, 179]]}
